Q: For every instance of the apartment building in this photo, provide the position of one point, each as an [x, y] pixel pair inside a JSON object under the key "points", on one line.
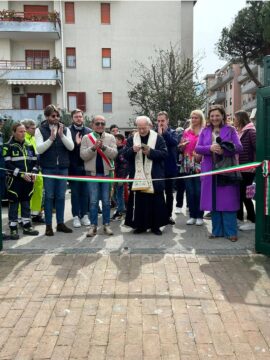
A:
{"points": [[231, 87], [82, 53]]}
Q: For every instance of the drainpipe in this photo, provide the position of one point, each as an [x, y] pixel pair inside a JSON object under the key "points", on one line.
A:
{"points": [[64, 105]]}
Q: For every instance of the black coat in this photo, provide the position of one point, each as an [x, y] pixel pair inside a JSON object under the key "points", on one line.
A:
{"points": [[157, 155]]}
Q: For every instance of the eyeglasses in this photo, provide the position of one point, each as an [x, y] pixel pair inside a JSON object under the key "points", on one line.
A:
{"points": [[99, 123], [55, 116]]}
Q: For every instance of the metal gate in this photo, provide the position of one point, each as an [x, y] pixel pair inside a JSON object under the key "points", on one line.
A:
{"points": [[262, 243]]}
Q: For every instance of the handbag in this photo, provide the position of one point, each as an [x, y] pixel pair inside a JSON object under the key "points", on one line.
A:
{"points": [[231, 178]]}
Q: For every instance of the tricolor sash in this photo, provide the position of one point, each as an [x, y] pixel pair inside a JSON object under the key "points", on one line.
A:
{"points": [[93, 140]]}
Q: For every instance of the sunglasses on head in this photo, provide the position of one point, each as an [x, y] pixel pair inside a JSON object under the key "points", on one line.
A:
{"points": [[100, 123], [55, 116]]}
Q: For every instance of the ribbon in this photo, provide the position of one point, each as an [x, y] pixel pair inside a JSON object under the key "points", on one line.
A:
{"points": [[247, 166]]}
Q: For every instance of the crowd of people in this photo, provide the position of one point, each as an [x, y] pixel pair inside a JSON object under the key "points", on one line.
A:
{"points": [[155, 156]]}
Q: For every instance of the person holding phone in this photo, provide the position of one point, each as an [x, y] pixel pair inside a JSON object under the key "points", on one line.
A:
{"points": [[54, 142]]}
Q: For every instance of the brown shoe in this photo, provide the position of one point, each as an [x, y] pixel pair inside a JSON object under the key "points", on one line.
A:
{"points": [[49, 230], [63, 228]]}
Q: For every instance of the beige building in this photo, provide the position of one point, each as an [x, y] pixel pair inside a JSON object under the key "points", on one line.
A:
{"points": [[231, 87], [82, 53]]}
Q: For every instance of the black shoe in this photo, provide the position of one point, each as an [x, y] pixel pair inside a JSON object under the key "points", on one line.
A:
{"points": [[99, 210], [139, 231], [6, 237], [14, 233], [30, 231], [117, 216], [171, 221], [63, 228], [49, 230], [38, 219], [156, 231]]}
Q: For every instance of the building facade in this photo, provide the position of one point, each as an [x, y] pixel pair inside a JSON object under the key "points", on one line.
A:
{"points": [[231, 87], [82, 53]]}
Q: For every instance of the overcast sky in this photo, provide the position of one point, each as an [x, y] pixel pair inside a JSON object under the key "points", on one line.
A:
{"points": [[210, 17]]}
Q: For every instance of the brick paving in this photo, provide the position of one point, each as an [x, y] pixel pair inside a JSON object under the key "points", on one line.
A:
{"points": [[138, 306]]}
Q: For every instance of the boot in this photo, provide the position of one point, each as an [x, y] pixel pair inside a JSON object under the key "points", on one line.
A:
{"points": [[63, 228], [14, 233], [49, 230], [38, 219], [92, 231], [28, 230]]}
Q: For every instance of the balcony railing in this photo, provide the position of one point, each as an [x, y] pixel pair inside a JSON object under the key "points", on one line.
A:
{"points": [[11, 15], [218, 97], [44, 64], [249, 105], [221, 80], [249, 88]]}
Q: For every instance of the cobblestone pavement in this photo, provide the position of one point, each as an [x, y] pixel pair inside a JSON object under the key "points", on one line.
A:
{"points": [[140, 306]]}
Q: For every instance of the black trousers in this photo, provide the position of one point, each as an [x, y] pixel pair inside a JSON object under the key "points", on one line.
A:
{"points": [[247, 180], [169, 186]]}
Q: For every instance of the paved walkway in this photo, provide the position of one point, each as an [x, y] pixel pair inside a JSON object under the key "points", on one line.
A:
{"points": [[175, 296], [180, 238]]}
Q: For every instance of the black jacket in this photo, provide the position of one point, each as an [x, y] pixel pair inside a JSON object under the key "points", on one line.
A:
{"points": [[76, 166]]}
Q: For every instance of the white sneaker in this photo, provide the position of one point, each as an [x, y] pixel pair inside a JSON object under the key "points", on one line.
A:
{"points": [[85, 220], [178, 210], [239, 223], [191, 221], [247, 226], [199, 222], [76, 222]]}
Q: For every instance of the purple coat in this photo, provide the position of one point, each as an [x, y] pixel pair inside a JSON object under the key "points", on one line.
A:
{"points": [[227, 197]]}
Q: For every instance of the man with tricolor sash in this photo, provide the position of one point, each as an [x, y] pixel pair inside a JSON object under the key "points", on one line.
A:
{"points": [[98, 149]]}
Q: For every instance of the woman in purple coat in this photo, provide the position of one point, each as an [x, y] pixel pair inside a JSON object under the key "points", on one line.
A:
{"points": [[222, 201]]}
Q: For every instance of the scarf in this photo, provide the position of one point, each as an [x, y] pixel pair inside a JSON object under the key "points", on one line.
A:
{"points": [[246, 127], [143, 169]]}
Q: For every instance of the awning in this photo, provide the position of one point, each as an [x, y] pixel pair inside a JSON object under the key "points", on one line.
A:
{"points": [[32, 82]]}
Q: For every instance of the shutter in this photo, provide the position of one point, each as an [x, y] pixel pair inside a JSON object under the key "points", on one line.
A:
{"points": [[105, 13], [69, 13], [70, 52], [107, 98], [106, 53], [46, 99], [23, 102], [81, 101], [35, 9]]}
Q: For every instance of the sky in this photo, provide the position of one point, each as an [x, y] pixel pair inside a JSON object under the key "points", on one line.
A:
{"points": [[210, 17]]}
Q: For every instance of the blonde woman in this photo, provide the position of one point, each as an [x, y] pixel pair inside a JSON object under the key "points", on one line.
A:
{"points": [[191, 165]]}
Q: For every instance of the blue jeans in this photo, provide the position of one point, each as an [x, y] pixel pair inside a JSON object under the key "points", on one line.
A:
{"points": [[79, 198], [119, 190], [55, 191], [99, 191], [224, 223], [193, 191]]}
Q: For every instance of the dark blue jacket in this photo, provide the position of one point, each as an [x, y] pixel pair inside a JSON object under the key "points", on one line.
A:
{"points": [[171, 139], [76, 166], [2, 172], [57, 154], [158, 155]]}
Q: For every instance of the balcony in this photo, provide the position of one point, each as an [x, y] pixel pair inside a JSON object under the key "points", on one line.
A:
{"points": [[250, 105], [19, 114], [29, 73], [244, 75], [217, 98], [221, 80], [29, 26], [249, 88]]}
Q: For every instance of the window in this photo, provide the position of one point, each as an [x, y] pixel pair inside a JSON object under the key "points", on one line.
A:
{"points": [[230, 85], [37, 59], [69, 13], [106, 58], [107, 102], [105, 13], [38, 12], [71, 57], [35, 101], [230, 101], [76, 100]]}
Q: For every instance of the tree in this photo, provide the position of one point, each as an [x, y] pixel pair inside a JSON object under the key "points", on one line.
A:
{"points": [[167, 84], [247, 40]]}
